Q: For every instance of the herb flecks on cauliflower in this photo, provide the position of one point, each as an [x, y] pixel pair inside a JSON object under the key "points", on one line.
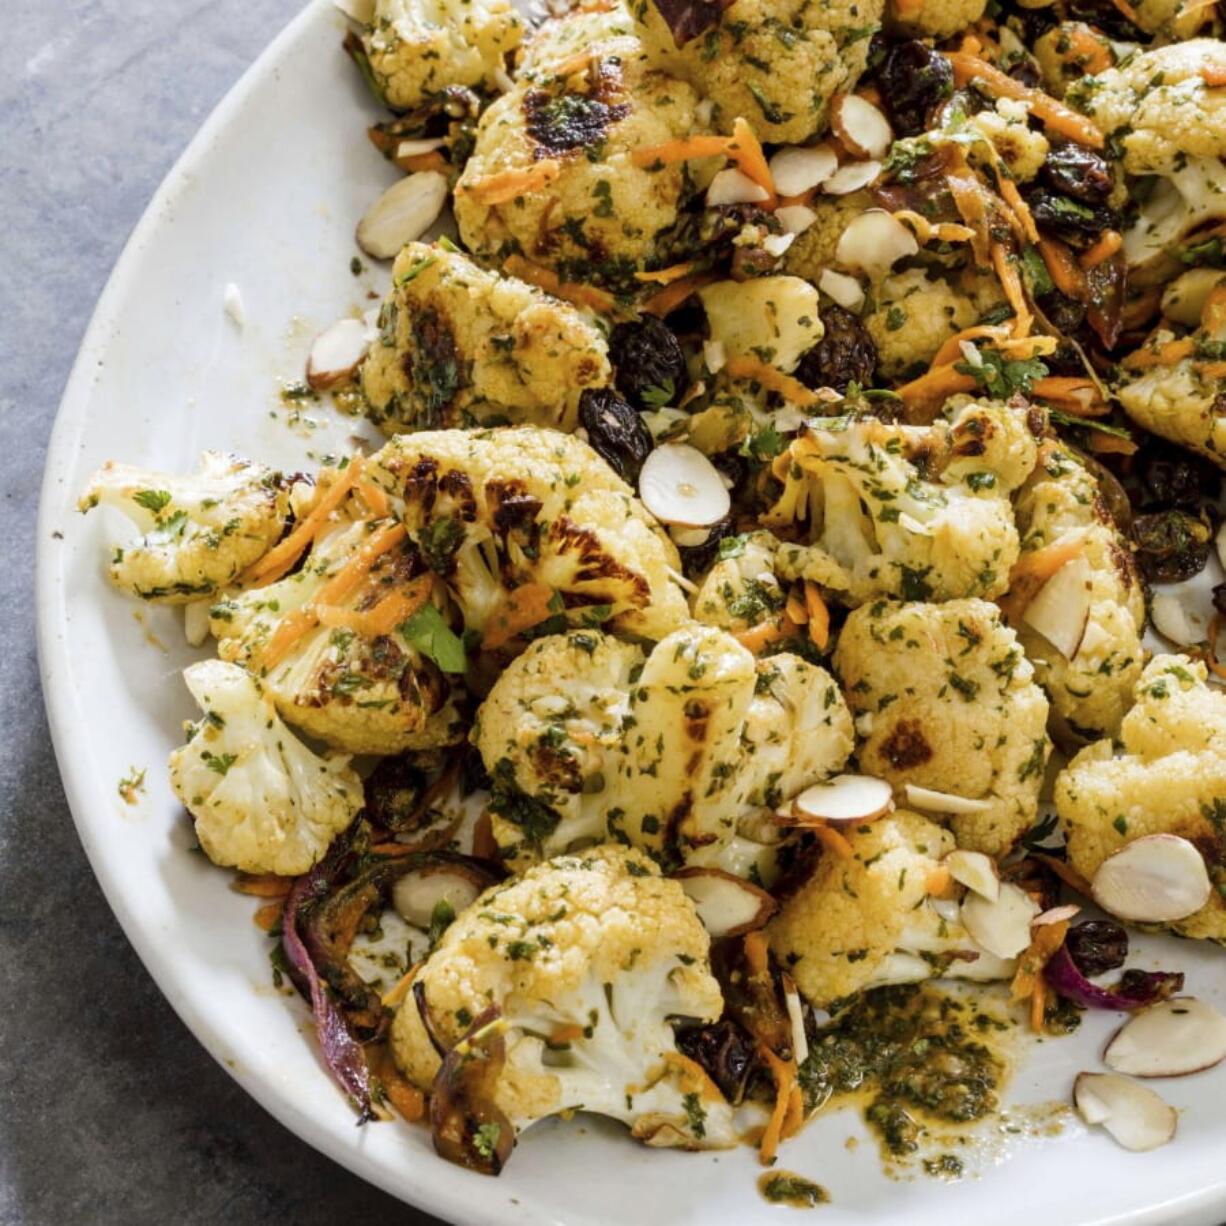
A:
{"points": [[590, 959], [870, 509], [493, 511], [589, 738], [946, 700], [459, 346], [867, 921], [936, 19], [913, 315], [740, 590], [261, 800], [417, 48], [199, 532], [1166, 776], [1060, 508], [773, 319]]}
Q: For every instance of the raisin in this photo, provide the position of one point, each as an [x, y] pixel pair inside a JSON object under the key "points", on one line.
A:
{"points": [[615, 431], [649, 363], [845, 354]]}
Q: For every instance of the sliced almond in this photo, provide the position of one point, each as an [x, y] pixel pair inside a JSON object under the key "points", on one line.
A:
{"points": [[1001, 927], [795, 218], [402, 214], [1157, 879], [777, 244], [730, 186], [689, 538], [841, 801], [419, 891], [943, 802], [196, 622], [1170, 1039], [844, 289], [851, 177], [336, 353], [361, 11], [796, 170], [860, 125], [1060, 609], [679, 485], [1183, 300], [714, 355], [874, 242], [1174, 618], [796, 1017], [728, 906], [1133, 1114], [232, 302], [1056, 915], [976, 871], [415, 148]]}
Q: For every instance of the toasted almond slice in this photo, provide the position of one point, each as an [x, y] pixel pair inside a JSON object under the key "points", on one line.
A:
{"points": [[1170, 1039], [419, 891], [361, 11], [1056, 915], [728, 906], [795, 218], [845, 290], [1060, 609], [402, 214], [842, 801], [943, 802], [1133, 1114], [874, 242], [715, 356], [336, 353], [851, 177], [196, 622], [796, 1016], [1153, 880], [689, 538], [1175, 618], [795, 169], [777, 244], [235, 308], [976, 871], [730, 186], [860, 125], [679, 485], [414, 148], [1001, 927]]}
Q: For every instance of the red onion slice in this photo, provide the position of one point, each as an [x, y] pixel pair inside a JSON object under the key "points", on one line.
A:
{"points": [[1136, 990]]}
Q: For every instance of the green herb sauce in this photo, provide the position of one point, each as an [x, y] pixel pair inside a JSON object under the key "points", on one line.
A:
{"points": [[795, 1191]]}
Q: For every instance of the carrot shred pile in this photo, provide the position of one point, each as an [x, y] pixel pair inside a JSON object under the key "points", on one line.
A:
{"points": [[393, 609], [818, 616], [1104, 249], [665, 301], [1029, 983], [666, 276], [1032, 570], [1078, 395], [263, 885], [570, 291], [742, 149], [268, 916], [1164, 355], [1064, 270], [505, 185], [765, 633], [743, 366]]}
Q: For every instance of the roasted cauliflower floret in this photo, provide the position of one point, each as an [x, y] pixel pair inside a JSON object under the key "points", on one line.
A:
{"points": [[1021, 147], [913, 316], [417, 48], [1060, 514], [867, 921], [199, 532], [946, 700], [261, 800], [1068, 52], [1158, 105], [775, 64], [1167, 775], [774, 319], [741, 590], [351, 669], [533, 512], [870, 509], [935, 20], [1184, 401], [459, 346], [553, 177], [1176, 207], [587, 960], [669, 751], [814, 248]]}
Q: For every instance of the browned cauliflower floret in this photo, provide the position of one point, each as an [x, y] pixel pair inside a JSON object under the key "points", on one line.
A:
{"points": [[1060, 514], [528, 527], [775, 64], [946, 700], [1167, 775], [553, 178], [934, 18], [868, 921], [814, 248], [459, 346], [913, 316], [740, 590]]}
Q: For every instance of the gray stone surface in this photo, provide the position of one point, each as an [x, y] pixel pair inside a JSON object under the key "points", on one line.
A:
{"points": [[110, 1112]]}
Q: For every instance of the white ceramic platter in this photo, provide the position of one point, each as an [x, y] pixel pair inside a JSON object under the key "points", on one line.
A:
{"points": [[266, 198]]}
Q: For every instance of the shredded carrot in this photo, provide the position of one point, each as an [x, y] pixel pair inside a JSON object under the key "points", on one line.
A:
{"points": [[485, 846], [416, 162], [968, 199], [665, 301], [745, 150], [1021, 210], [1122, 6], [1104, 249], [399, 1091], [1076, 394], [804, 198], [765, 633], [1063, 269], [1164, 355], [834, 841], [666, 276], [926, 231], [680, 150], [566, 1032], [1214, 75], [784, 1074], [743, 366], [924, 396], [548, 280], [1038, 1003], [908, 10], [1045, 940], [1088, 54], [819, 616], [1210, 654], [375, 498], [283, 555], [1212, 370], [1011, 283], [576, 63], [525, 606], [742, 148], [938, 881], [951, 349], [263, 885], [268, 916], [756, 953], [795, 608], [393, 609], [1033, 569], [290, 629], [506, 185], [970, 44], [1052, 114], [1111, 444], [1213, 313]]}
